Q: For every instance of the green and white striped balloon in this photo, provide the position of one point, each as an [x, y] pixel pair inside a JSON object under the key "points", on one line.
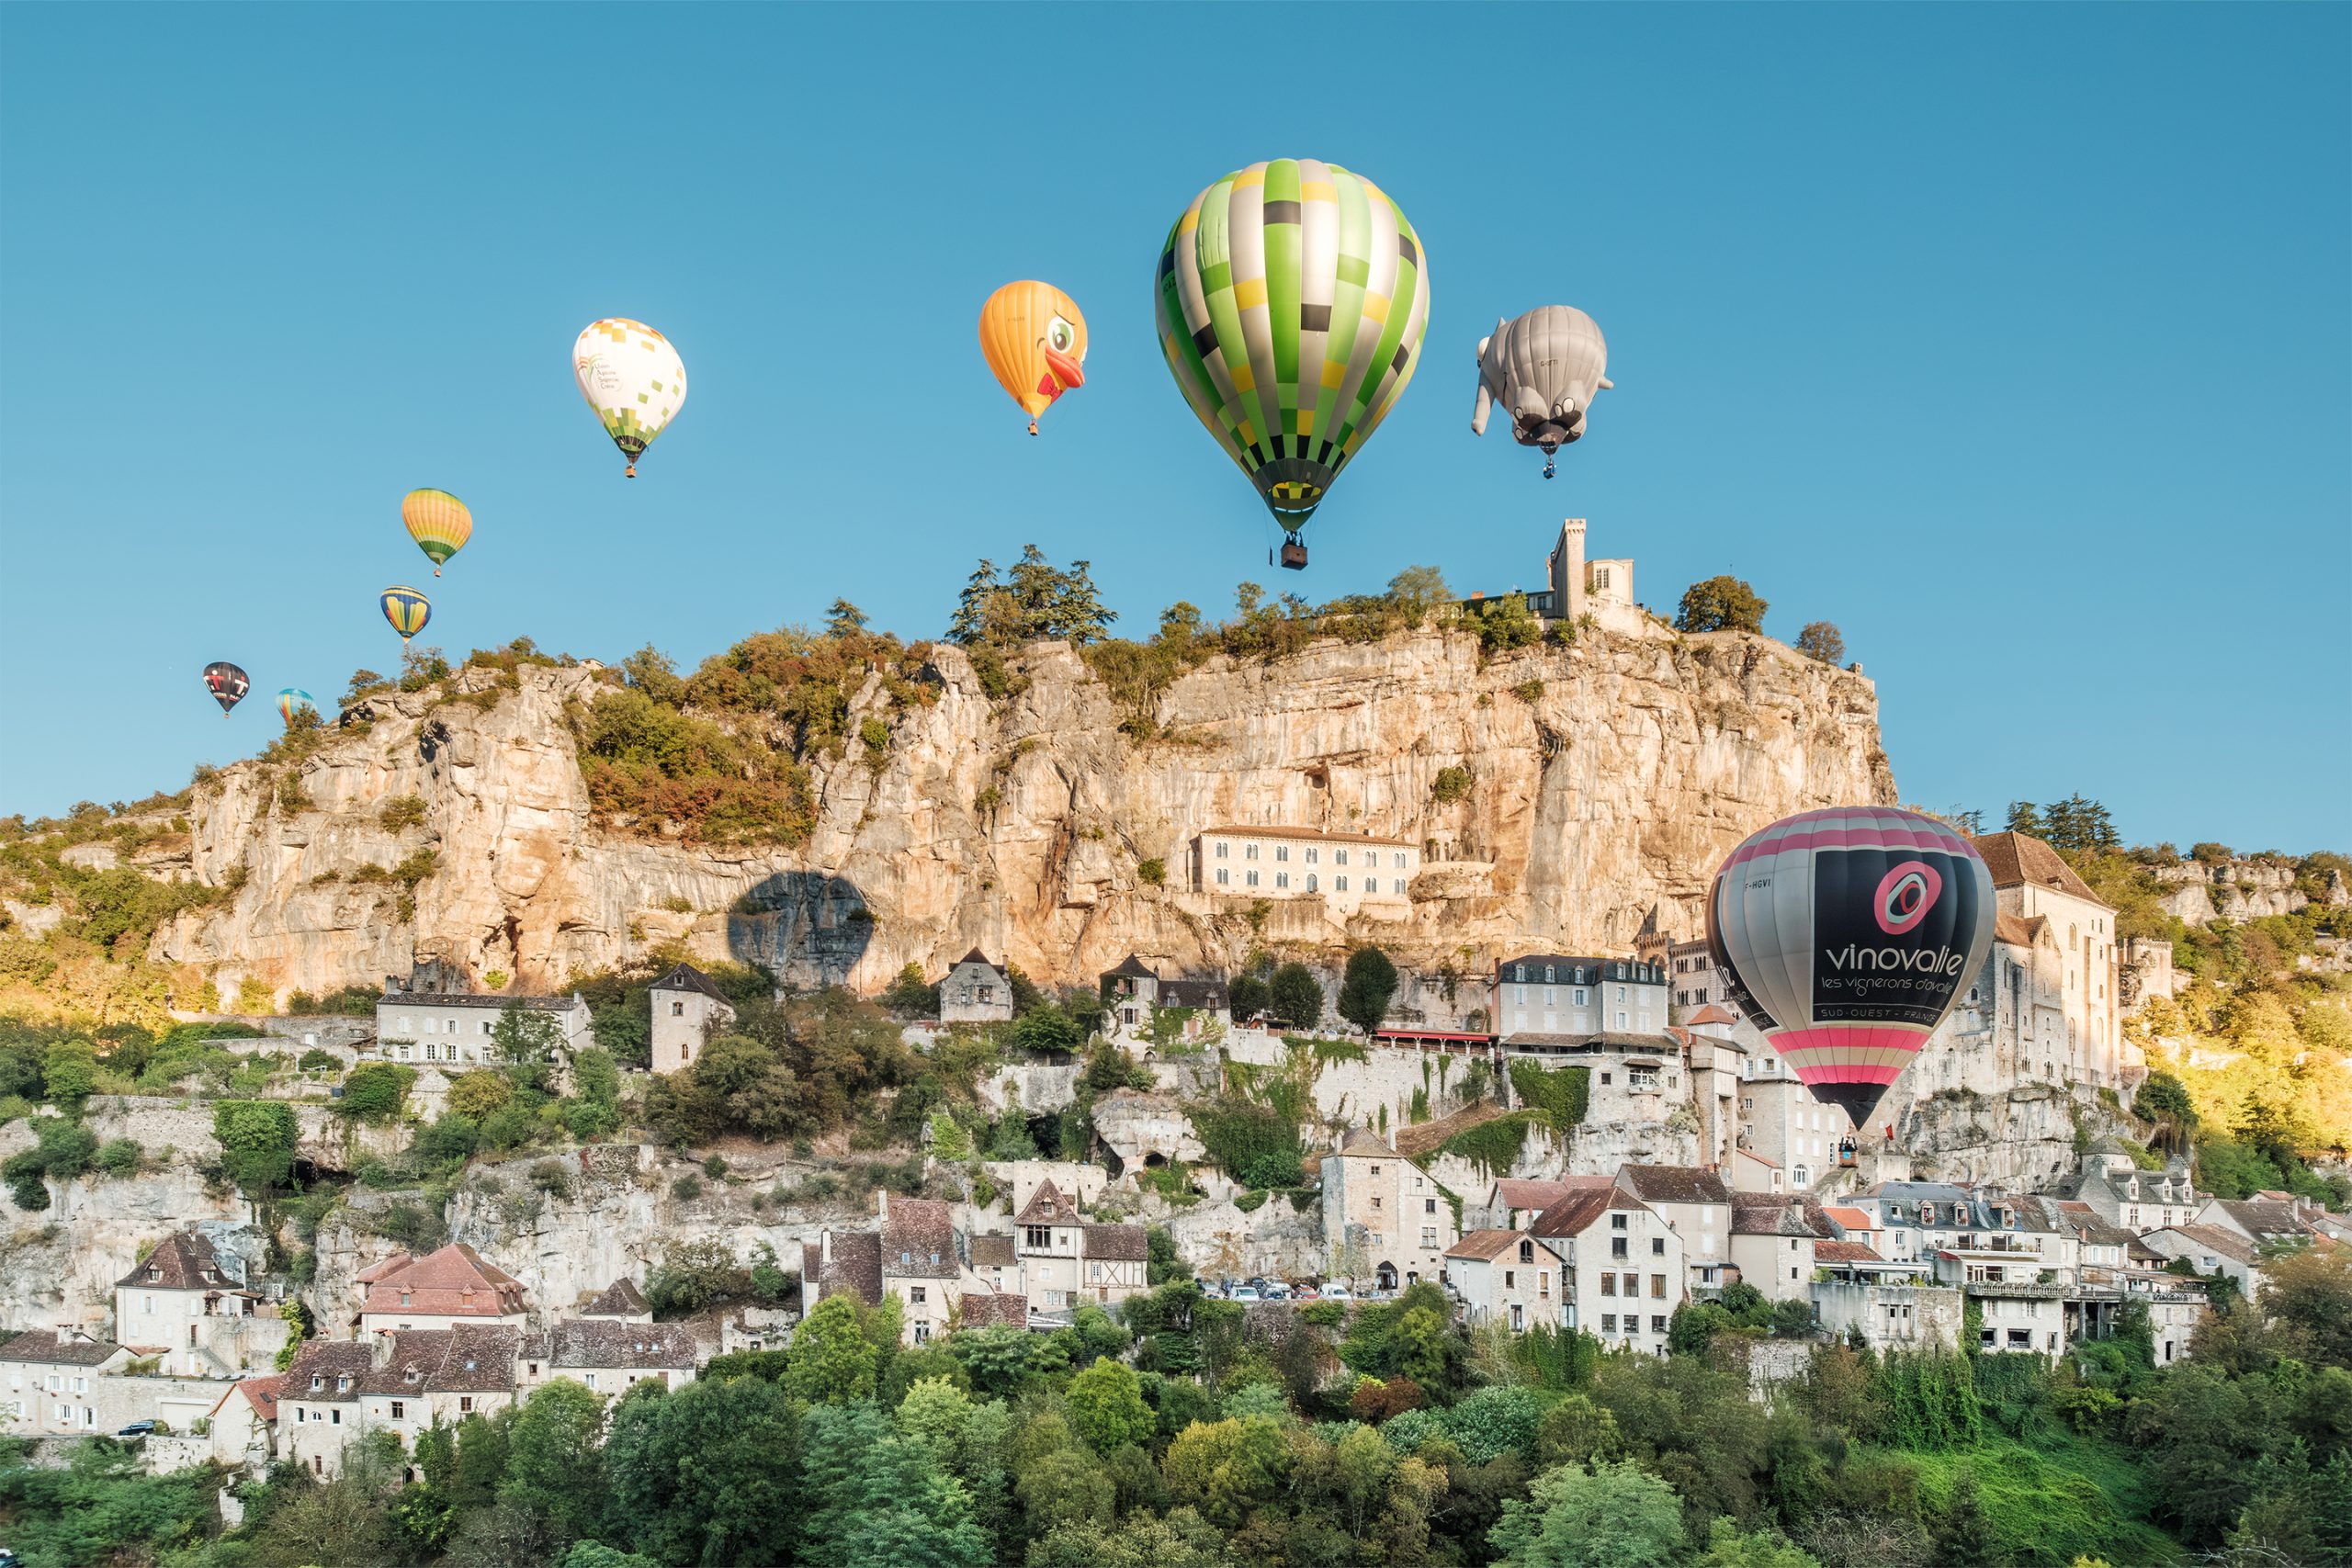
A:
{"points": [[1291, 299]]}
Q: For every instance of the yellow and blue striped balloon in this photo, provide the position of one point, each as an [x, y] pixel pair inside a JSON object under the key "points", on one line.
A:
{"points": [[406, 609], [438, 522]]}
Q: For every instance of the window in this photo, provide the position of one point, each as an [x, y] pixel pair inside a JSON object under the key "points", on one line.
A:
{"points": [[1543, 1282], [1037, 1236], [1220, 849], [1511, 1278], [1632, 1284], [1429, 1205], [1310, 882], [1310, 854], [1616, 1222], [1429, 1237], [465, 1404], [1338, 884], [1657, 1247], [1220, 877], [1578, 996], [1249, 852], [1399, 861], [915, 1295], [1657, 1287], [1339, 857], [334, 1417], [1608, 1323], [1609, 1284], [1251, 878], [677, 1010], [485, 1026], [1398, 885], [1657, 1325], [430, 1049], [590, 1379], [1618, 1247], [1282, 852], [1375, 1203], [399, 1409]]}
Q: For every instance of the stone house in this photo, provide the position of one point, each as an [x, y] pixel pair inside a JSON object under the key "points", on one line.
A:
{"points": [[1508, 1276], [50, 1377], [688, 1008], [1773, 1245], [189, 1304], [1382, 1213], [2267, 1219], [1557, 994], [2032, 882], [1513, 1201], [2210, 1250], [1135, 994], [922, 1262], [2115, 1189], [1890, 1312], [1067, 1262], [1781, 1126], [1625, 1266], [1696, 1205], [317, 1402], [622, 1301], [995, 1264], [449, 1027], [244, 1424], [607, 1355], [975, 991], [441, 1289], [1351, 873], [419, 1376]]}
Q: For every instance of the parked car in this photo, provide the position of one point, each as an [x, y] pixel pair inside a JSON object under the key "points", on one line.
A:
{"points": [[1243, 1294], [138, 1429], [1275, 1293], [1337, 1293]]}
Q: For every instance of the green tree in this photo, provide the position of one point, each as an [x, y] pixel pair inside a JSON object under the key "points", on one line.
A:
{"points": [[1366, 987], [1615, 1517], [832, 1362], [69, 1075], [1294, 997], [475, 1094], [1417, 590], [1045, 1027], [525, 1038], [845, 619], [704, 1473], [1822, 640], [1228, 1468], [2024, 817], [1724, 603], [1729, 1546], [1507, 623], [376, 1091], [257, 1139], [1106, 1407], [875, 1498], [554, 1460]]}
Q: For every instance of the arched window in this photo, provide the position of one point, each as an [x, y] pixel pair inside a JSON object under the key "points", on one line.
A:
{"points": [[1386, 1276], [1310, 882]]}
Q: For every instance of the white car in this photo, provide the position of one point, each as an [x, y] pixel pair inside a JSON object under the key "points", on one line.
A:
{"points": [[1335, 1292], [1243, 1293]]}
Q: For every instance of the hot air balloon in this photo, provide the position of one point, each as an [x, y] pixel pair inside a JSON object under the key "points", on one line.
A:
{"points": [[406, 609], [1846, 935], [1292, 299], [292, 699], [1543, 367], [1034, 339], [438, 522], [227, 684], [633, 381]]}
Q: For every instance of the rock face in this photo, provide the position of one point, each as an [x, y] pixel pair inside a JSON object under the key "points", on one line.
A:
{"points": [[1608, 778], [2199, 892]]}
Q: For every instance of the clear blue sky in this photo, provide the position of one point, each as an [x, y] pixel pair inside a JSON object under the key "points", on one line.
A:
{"points": [[2013, 339]]}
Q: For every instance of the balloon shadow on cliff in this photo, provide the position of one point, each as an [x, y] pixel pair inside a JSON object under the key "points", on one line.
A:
{"points": [[807, 927]]}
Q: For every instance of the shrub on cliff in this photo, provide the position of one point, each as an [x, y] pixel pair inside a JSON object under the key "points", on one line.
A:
{"points": [[1724, 603], [1294, 997], [1367, 987], [257, 1139]]}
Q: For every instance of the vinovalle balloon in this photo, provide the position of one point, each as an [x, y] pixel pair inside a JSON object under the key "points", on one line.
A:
{"points": [[633, 378], [438, 522], [227, 684], [1292, 297], [1034, 339], [1846, 936]]}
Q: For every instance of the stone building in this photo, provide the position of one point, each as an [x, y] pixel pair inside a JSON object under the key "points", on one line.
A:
{"points": [[190, 1304], [1773, 1245], [1136, 996], [1506, 1276], [975, 991], [607, 1355], [621, 1301], [1555, 994], [318, 1405], [688, 1008], [2110, 1183], [1067, 1262], [1386, 1222], [1577, 587], [2032, 883], [1625, 1266], [1696, 1205], [49, 1376], [441, 1289], [922, 1261], [1350, 872], [244, 1424], [1782, 1124], [419, 1376], [456, 1027]]}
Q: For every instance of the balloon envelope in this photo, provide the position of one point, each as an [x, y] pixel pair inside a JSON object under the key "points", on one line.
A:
{"points": [[291, 699], [227, 684], [406, 609], [438, 522], [1846, 936], [633, 378], [1292, 297], [1543, 368], [1034, 339]]}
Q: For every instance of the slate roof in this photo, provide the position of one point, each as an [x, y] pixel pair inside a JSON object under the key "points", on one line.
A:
{"points": [[993, 1252], [856, 1266], [919, 1240], [594, 1343], [451, 1282], [48, 1348], [1210, 996], [497, 1003], [1780, 1216], [1047, 1206], [686, 978], [619, 1299], [2264, 1217], [1579, 1212], [1673, 1184], [321, 1361], [1005, 1307], [1489, 1245], [2015, 860], [1118, 1243], [182, 1260], [1130, 968], [1365, 1141], [977, 956]]}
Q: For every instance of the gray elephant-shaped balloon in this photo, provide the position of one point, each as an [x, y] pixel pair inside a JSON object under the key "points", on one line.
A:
{"points": [[1543, 367]]}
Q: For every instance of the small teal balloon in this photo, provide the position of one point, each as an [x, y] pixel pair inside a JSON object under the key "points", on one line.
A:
{"points": [[291, 698]]}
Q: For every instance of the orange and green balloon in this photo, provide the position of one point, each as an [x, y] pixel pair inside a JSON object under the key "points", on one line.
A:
{"points": [[438, 522]]}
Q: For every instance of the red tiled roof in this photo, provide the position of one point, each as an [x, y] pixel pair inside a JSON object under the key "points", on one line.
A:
{"points": [[1827, 1251], [1240, 830], [1047, 1206], [326, 1361], [262, 1395], [48, 1348], [181, 1261], [2014, 859], [452, 1283], [1526, 1192], [1851, 1219], [2014, 930], [1489, 1245], [1118, 1243], [1712, 1013], [1578, 1212]]}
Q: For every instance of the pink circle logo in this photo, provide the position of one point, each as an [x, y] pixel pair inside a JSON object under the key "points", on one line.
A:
{"points": [[1906, 894]]}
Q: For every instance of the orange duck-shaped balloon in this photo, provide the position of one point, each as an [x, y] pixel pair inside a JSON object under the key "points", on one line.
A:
{"points": [[1034, 339]]}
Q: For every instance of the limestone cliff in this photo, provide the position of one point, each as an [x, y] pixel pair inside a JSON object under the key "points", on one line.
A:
{"points": [[1608, 778]]}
